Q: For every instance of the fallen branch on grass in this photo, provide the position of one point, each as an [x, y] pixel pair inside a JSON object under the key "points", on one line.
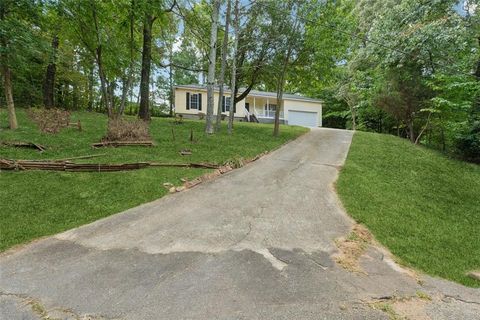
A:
{"points": [[21, 144], [89, 156], [20, 165], [123, 143], [185, 165], [186, 152]]}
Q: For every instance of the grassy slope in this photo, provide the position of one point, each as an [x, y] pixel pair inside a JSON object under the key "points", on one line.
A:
{"points": [[423, 206], [39, 203]]}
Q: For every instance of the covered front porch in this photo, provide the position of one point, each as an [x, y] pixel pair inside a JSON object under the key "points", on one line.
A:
{"points": [[263, 108]]}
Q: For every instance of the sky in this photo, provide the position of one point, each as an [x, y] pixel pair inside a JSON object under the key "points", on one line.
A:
{"points": [[461, 5]]}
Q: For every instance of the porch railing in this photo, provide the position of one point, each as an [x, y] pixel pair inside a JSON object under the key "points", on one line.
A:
{"points": [[268, 114]]}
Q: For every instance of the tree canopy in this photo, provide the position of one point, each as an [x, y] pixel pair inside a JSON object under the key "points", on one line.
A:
{"points": [[409, 68]]}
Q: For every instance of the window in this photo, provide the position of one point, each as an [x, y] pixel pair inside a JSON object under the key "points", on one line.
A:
{"points": [[194, 101], [227, 102]]}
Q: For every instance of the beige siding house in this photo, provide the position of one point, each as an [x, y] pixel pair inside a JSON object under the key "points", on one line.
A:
{"points": [[191, 101]]}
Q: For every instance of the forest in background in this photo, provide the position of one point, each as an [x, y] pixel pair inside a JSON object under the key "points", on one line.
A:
{"points": [[409, 68]]}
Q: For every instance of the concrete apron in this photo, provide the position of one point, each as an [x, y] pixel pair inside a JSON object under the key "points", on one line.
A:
{"points": [[253, 244]]}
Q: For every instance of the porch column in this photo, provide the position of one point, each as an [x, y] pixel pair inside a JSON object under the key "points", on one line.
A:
{"points": [[267, 109], [254, 110]]}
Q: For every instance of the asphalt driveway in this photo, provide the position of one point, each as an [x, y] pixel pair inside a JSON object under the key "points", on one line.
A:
{"points": [[256, 243]]}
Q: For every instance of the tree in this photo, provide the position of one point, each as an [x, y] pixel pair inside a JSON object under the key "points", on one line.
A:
{"points": [[288, 48], [255, 49], [52, 23], [351, 98], [221, 77], [15, 33], [144, 110], [149, 18], [404, 59], [236, 23], [403, 94], [49, 84], [185, 63], [127, 80], [98, 53], [90, 28], [209, 127]]}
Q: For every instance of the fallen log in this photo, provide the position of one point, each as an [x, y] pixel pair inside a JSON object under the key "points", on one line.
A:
{"points": [[20, 165], [185, 165], [21, 144], [123, 143], [89, 156]]}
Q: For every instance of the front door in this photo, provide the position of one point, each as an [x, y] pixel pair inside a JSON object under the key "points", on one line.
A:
{"points": [[247, 106]]}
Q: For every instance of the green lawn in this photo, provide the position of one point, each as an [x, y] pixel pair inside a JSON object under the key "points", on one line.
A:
{"points": [[39, 203], [423, 206]]}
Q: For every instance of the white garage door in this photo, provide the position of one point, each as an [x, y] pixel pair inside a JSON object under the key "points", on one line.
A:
{"points": [[303, 118]]}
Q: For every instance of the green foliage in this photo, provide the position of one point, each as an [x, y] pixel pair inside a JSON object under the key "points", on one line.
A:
{"points": [[410, 59], [468, 142], [410, 68], [22, 46], [423, 206]]}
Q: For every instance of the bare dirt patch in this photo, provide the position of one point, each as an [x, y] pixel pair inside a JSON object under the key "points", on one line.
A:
{"points": [[403, 308], [352, 247]]}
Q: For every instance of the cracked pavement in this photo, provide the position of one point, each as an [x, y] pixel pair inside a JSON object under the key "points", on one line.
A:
{"points": [[255, 243]]}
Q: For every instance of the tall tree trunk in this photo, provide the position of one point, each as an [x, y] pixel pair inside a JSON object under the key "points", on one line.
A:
{"points": [[7, 74], [417, 139], [233, 102], [7, 85], [170, 81], [75, 96], [411, 130], [477, 68], [144, 110], [354, 118], [209, 128], [103, 83], [111, 96], [127, 83], [75, 89], [60, 95], [221, 77], [280, 86], [475, 110], [101, 72], [49, 84], [123, 100], [91, 80]]}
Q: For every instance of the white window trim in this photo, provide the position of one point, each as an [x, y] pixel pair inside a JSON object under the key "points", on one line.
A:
{"points": [[194, 104], [227, 105]]}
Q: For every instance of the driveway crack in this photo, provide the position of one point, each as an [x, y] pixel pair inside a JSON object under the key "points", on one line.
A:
{"points": [[457, 298], [39, 309]]}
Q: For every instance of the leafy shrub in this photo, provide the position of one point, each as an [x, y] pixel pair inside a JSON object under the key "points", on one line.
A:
{"points": [[49, 120], [468, 143], [127, 130]]}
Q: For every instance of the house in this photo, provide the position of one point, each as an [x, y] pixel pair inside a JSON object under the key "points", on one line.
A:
{"points": [[191, 102]]}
